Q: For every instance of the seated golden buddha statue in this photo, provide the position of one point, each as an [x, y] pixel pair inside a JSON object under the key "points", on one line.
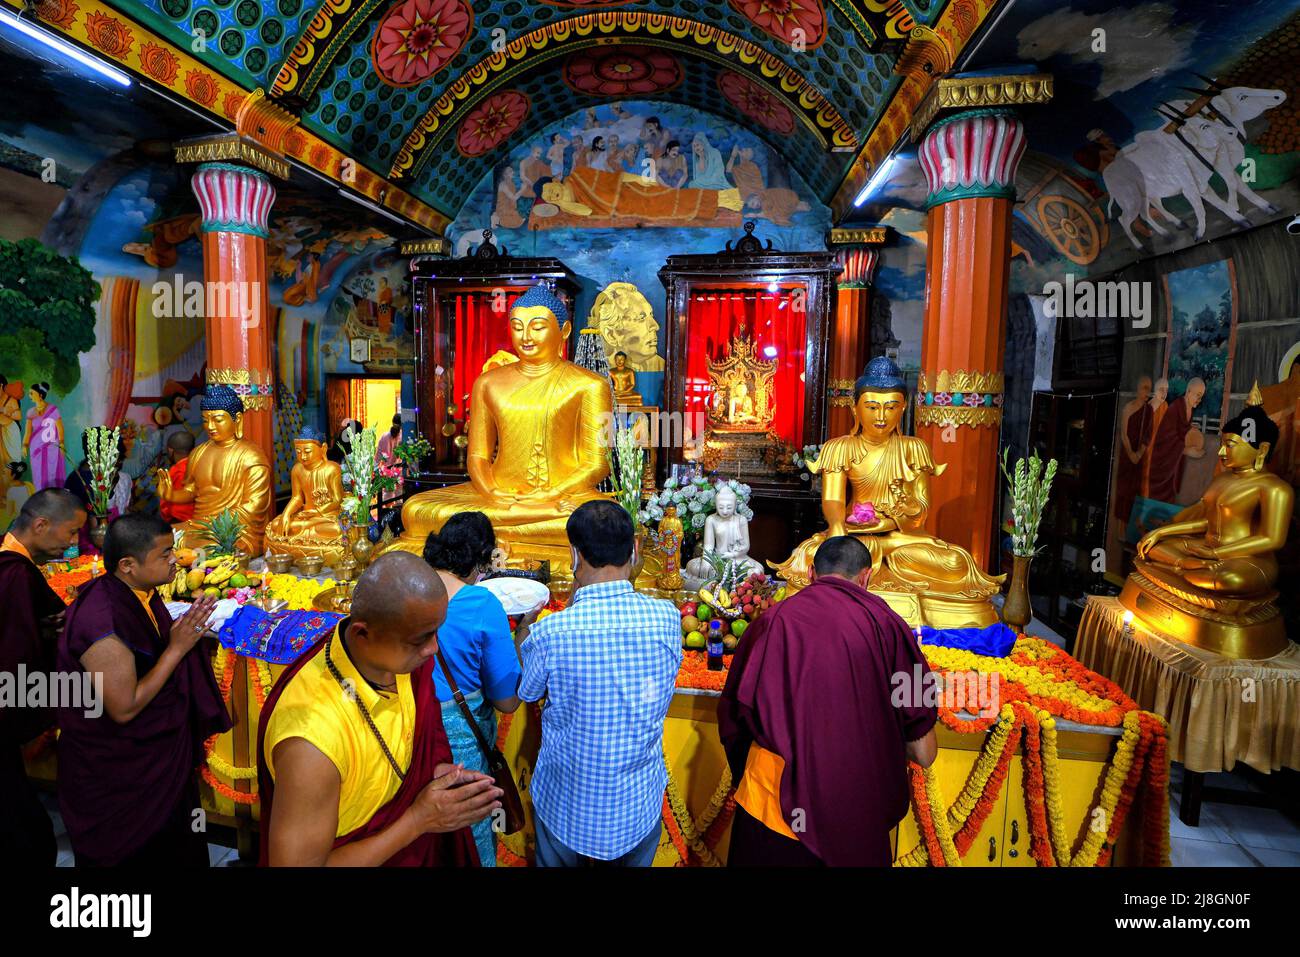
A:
{"points": [[537, 447], [624, 380], [1207, 577], [226, 472], [309, 525], [925, 579]]}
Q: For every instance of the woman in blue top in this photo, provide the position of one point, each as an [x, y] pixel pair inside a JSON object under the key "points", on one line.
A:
{"points": [[475, 642]]}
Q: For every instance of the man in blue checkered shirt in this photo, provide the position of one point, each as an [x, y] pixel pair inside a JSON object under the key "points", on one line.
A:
{"points": [[606, 665]]}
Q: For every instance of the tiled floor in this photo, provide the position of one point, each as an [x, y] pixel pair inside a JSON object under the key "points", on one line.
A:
{"points": [[1229, 835]]}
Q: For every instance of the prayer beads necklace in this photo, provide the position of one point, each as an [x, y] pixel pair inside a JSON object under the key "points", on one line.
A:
{"points": [[365, 713]]}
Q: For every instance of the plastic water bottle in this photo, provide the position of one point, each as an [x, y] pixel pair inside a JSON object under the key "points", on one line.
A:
{"points": [[715, 645]]}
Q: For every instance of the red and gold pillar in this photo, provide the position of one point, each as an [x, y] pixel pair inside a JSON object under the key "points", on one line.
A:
{"points": [[850, 344], [236, 203], [970, 162]]}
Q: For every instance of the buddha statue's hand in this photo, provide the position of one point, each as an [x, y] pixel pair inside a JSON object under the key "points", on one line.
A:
{"points": [[1201, 550], [1191, 564], [1148, 542]]}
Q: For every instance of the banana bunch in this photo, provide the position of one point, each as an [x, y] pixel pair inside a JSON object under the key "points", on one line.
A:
{"points": [[176, 587], [721, 600], [220, 571]]}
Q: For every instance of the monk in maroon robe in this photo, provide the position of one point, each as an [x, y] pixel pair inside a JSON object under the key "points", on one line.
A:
{"points": [[1135, 440], [127, 774], [354, 767], [816, 731], [33, 614], [1169, 447]]}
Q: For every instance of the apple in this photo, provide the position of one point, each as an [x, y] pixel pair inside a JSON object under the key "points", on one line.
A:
{"points": [[689, 608], [703, 612]]}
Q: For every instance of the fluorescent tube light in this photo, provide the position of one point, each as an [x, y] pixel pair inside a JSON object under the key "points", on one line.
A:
{"points": [[10, 19]]}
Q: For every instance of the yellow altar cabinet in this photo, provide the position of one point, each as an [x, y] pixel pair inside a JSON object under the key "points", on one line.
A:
{"points": [[696, 817]]}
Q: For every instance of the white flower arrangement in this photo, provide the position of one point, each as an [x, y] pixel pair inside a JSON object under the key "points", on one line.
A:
{"points": [[102, 458], [626, 468], [361, 464], [1030, 486], [695, 500]]}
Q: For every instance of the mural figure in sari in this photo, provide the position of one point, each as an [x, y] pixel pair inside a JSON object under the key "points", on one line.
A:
{"points": [[43, 440], [710, 171]]}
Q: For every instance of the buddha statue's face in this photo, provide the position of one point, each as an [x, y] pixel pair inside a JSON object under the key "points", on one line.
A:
{"points": [[536, 334], [310, 452], [725, 503], [620, 362], [879, 414], [1237, 454], [220, 425]]}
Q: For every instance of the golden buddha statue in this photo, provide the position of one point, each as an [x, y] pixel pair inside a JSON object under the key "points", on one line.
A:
{"points": [[1207, 577], [226, 472], [925, 579], [309, 525], [537, 443], [624, 380]]}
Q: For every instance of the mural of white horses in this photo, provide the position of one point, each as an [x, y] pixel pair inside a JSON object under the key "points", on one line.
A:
{"points": [[1160, 163]]}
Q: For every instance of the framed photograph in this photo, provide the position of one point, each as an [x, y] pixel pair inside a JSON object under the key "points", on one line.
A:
{"points": [[360, 350]]}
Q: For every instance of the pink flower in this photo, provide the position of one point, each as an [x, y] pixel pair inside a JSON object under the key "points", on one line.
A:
{"points": [[943, 398], [972, 398], [622, 70], [864, 513]]}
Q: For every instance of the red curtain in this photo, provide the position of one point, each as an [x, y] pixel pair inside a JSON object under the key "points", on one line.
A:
{"points": [[776, 320], [478, 332]]}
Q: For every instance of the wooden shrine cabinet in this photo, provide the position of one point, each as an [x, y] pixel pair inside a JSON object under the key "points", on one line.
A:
{"points": [[747, 334], [461, 308]]}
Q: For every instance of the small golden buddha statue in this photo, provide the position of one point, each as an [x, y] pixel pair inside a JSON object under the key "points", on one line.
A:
{"points": [[925, 579], [1207, 577], [668, 541], [740, 405], [226, 472], [537, 443], [309, 525], [624, 380]]}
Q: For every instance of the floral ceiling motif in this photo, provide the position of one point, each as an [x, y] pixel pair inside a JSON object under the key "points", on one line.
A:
{"points": [[755, 102], [416, 39], [492, 122], [799, 23], [622, 70]]}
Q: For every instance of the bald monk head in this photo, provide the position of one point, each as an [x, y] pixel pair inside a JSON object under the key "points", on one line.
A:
{"points": [[397, 607]]}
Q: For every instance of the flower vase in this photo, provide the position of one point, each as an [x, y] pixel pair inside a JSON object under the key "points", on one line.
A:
{"points": [[361, 546], [1016, 610], [97, 529]]}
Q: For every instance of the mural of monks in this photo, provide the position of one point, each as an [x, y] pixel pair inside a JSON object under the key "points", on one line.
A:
{"points": [[1135, 433], [1175, 441]]}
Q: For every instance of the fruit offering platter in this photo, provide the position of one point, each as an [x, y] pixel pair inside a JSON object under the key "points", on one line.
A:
{"points": [[732, 611], [219, 576]]}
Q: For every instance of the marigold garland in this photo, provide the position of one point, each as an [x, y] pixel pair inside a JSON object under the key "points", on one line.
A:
{"points": [[223, 666]]}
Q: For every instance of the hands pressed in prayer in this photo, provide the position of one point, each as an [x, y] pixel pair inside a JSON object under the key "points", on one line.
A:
{"points": [[189, 628], [455, 798]]}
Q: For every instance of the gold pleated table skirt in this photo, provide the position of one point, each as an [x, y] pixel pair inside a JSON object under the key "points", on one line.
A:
{"points": [[1220, 710]]}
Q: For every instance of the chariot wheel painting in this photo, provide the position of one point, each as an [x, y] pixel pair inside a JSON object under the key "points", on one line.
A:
{"points": [[1069, 227]]}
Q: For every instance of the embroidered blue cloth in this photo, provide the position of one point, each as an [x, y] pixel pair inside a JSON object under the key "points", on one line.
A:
{"points": [[278, 637], [995, 641]]}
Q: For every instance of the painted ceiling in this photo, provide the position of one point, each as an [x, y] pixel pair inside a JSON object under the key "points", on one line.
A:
{"points": [[427, 94]]}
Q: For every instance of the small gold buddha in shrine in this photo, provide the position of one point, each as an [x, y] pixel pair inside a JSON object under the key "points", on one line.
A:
{"points": [[1207, 577], [309, 525], [925, 579], [740, 405], [537, 442], [624, 380], [226, 472]]}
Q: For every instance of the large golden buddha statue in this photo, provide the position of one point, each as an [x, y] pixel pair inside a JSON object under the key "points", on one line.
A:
{"points": [[226, 472], [1207, 577], [309, 525], [925, 579], [537, 446]]}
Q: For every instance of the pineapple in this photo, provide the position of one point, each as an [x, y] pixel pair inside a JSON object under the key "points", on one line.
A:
{"points": [[223, 531]]}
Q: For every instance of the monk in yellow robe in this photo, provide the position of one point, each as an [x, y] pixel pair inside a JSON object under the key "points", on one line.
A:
{"points": [[226, 472], [537, 441]]}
